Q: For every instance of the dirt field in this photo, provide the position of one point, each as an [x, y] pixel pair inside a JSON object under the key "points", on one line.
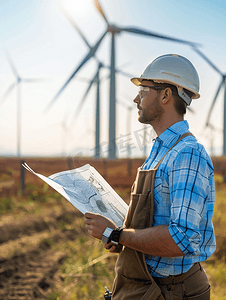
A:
{"points": [[117, 172], [27, 262]]}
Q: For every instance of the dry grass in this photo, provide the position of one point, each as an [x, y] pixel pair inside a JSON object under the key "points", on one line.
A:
{"points": [[215, 265]]}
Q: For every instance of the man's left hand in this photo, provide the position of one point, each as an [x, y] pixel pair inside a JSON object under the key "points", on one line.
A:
{"points": [[96, 224]]}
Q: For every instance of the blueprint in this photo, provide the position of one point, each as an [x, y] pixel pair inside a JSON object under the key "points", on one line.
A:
{"points": [[88, 191]]}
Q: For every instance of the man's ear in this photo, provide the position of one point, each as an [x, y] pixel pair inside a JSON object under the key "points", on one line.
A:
{"points": [[166, 95]]}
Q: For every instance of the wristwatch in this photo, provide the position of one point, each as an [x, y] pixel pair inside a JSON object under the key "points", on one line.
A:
{"points": [[106, 235], [111, 235]]}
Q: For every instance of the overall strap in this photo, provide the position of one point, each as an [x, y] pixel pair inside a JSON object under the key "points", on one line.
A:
{"points": [[183, 136]]}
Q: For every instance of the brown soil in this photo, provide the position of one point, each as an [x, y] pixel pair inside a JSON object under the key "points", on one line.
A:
{"points": [[118, 173], [27, 261]]}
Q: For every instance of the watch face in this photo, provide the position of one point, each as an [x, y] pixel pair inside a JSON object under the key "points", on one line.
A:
{"points": [[106, 235], [108, 232]]}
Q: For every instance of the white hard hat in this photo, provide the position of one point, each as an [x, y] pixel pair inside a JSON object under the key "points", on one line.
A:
{"points": [[176, 70]]}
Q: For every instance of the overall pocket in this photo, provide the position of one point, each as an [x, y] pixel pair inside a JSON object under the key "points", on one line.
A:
{"points": [[203, 296], [141, 290], [142, 212]]}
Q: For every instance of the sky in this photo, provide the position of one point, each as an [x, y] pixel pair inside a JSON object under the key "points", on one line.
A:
{"points": [[43, 45]]}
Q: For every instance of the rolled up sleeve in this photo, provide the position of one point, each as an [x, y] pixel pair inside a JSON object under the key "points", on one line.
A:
{"points": [[190, 179]]}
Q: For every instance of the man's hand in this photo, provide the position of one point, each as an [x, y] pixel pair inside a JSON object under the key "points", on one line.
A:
{"points": [[96, 224], [113, 248]]}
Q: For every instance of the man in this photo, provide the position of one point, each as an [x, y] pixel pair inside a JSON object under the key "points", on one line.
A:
{"points": [[167, 233]]}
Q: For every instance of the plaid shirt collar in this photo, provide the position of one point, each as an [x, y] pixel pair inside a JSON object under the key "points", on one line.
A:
{"points": [[173, 133], [164, 142]]}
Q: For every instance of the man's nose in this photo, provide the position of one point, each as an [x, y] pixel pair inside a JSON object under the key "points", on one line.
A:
{"points": [[136, 99]]}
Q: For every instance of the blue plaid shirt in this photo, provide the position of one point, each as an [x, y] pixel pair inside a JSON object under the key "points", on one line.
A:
{"points": [[184, 196]]}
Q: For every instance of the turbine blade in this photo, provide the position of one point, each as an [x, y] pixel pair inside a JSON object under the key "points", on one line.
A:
{"points": [[117, 71], [87, 57], [155, 35], [124, 73], [73, 23], [97, 4], [10, 61], [213, 103], [32, 79], [207, 60], [83, 79], [7, 92], [78, 110]]}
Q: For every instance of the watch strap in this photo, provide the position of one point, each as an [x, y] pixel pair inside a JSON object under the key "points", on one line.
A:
{"points": [[115, 235]]}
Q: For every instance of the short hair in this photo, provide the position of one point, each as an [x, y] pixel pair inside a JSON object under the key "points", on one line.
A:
{"points": [[179, 104]]}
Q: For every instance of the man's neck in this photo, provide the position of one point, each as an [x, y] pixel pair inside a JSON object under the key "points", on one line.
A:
{"points": [[163, 124]]}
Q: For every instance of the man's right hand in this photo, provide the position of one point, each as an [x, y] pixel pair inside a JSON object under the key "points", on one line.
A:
{"points": [[113, 248]]}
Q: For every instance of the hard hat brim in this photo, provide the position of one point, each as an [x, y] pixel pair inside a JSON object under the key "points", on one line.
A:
{"points": [[136, 80]]}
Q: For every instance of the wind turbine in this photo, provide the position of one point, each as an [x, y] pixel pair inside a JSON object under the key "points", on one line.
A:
{"points": [[221, 85], [95, 80], [76, 27], [16, 84], [113, 30]]}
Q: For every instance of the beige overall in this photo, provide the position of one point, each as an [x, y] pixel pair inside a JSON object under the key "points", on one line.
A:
{"points": [[133, 280]]}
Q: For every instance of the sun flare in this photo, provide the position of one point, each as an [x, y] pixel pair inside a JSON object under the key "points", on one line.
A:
{"points": [[79, 7]]}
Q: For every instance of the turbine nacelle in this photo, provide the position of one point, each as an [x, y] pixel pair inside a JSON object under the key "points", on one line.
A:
{"points": [[114, 29]]}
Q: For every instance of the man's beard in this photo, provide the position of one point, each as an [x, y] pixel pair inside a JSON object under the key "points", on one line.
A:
{"points": [[153, 113]]}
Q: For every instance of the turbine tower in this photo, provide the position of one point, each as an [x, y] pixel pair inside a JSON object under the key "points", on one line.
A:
{"points": [[95, 80], [221, 85], [114, 31]]}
